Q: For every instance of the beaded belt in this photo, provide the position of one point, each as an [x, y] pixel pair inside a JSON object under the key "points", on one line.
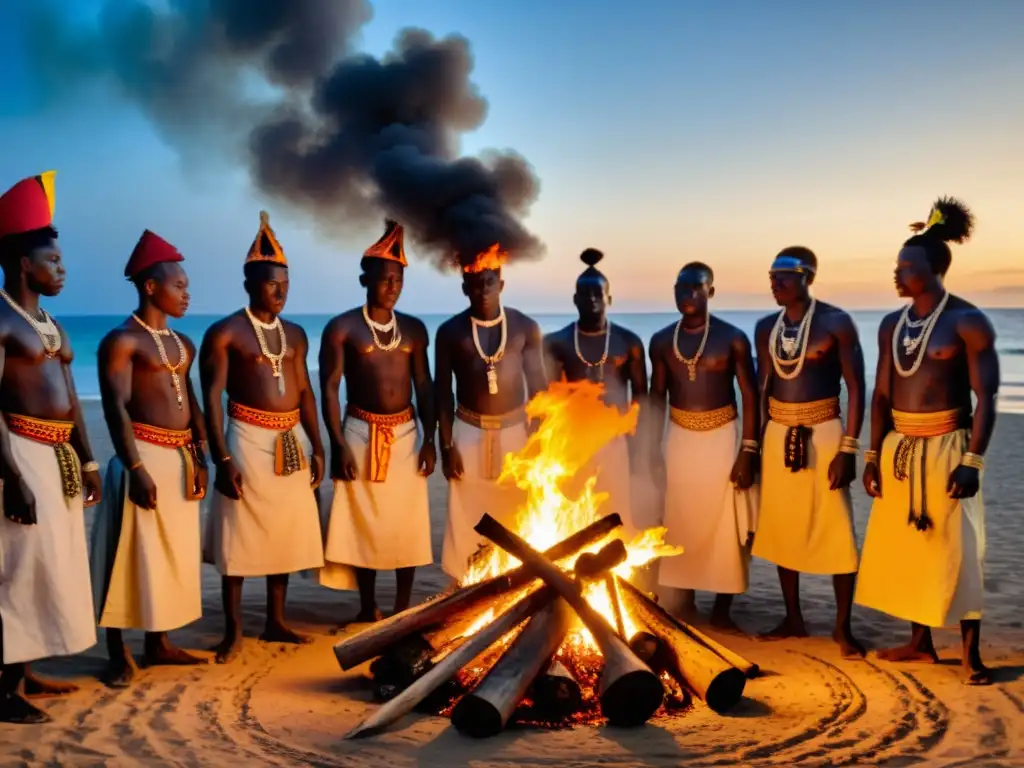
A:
{"points": [[799, 418], [915, 429], [181, 440], [703, 421], [288, 454], [382, 437], [491, 455], [58, 435]]}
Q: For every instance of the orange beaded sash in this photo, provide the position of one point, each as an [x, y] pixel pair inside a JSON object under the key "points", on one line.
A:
{"points": [[180, 439], [58, 435], [289, 457], [382, 437]]}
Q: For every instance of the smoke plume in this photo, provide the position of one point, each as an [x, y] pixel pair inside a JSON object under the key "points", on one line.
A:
{"points": [[342, 136]]}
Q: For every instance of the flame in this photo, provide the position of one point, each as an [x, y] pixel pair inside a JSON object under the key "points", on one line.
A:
{"points": [[552, 470], [492, 258]]}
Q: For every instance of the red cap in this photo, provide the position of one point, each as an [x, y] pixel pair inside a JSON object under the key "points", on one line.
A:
{"points": [[27, 206], [149, 251]]}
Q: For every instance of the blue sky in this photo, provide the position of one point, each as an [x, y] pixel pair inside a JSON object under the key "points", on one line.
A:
{"points": [[661, 131]]}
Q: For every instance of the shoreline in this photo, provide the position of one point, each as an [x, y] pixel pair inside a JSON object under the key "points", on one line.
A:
{"points": [[288, 705]]}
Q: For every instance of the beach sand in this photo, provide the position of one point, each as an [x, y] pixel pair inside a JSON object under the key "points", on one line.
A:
{"points": [[284, 705]]}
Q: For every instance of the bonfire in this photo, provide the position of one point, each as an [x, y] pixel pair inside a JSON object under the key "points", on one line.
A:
{"points": [[551, 625]]}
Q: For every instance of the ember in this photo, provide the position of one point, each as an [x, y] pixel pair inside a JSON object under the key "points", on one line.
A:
{"points": [[554, 637]]}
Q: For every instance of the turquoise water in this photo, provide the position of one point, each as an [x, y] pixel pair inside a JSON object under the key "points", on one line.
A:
{"points": [[86, 331]]}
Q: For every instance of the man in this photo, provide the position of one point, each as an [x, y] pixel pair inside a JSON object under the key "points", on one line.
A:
{"points": [[595, 349], [925, 544], [46, 463], [380, 516], [264, 519], [146, 535], [710, 501], [495, 354], [808, 460]]}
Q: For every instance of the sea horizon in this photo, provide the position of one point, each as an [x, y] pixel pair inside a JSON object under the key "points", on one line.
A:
{"points": [[87, 330]]}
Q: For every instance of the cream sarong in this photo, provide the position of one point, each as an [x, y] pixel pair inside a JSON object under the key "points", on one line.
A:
{"points": [[704, 512], [275, 527], [381, 524], [933, 577], [478, 491], [45, 597], [146, 562], [804, 525]]}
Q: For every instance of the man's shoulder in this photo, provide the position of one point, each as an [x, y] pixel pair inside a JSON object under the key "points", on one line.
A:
{"points": [[970, 318], [222, 328], [411, 323], [560, 335], [728, 330], [121, 336], [344, 320], [765, 322]]}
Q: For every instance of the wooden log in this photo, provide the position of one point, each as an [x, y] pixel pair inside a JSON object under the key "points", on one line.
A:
{"points": [[473, 646], [556, 693], [749, 668], [486, 710], [718, 683], [613, 596], [630, 692], [375, 639]]}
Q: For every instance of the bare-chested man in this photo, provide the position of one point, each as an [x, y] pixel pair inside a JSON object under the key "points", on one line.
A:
{"points": [[146, 535], [707, 468], [46, 463], [808, 459], [595, 349], [264, 519], [496, 356], [380, 516], [925, 545]]}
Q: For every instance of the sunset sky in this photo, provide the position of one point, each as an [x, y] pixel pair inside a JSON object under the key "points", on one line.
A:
{"points": [[662, 131]]}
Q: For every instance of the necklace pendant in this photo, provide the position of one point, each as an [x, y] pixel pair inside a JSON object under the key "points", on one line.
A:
{"points": [[692, 370], [492, 380]]}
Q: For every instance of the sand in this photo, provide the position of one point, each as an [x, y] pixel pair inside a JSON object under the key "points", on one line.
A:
{"points": [[285, 705]]}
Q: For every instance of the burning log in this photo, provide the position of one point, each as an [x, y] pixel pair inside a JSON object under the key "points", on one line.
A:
{"points": [[556, 693], [748, 668], [374, 640], [630, 692], [610, 556], [712, 678], [486, 710]]}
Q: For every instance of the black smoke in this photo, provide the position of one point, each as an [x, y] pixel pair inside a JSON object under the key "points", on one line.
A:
{"points": [[342, 136]]}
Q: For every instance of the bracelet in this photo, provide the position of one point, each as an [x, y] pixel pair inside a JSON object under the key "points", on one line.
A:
{"points": [[223, 460], [91, 466], [750, 446], [871, 457], [849, 444], [973, 460], [135, 466]]}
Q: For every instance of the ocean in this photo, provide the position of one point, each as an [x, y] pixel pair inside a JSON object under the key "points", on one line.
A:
{"points": [[86, 331]]}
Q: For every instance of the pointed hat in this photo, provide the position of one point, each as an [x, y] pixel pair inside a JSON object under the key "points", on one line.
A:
{"points": [[28, 205], [391, 246], [265, 247], [150, 251]]}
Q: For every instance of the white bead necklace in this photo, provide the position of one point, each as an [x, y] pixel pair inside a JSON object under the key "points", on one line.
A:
{"points": [[918, 344], [375, 328], [599, 365], [691, 362], [46, 329], [491, 360], [803, 335], [276, 361], [173, 369]]}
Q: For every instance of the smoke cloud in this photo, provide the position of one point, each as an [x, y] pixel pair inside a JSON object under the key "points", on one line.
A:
{"points": [[341, 136]]}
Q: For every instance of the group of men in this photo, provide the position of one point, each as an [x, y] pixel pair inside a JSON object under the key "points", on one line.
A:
{"points": [[772, 480]]}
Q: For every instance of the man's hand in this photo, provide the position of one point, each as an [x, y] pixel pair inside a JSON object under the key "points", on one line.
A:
{"points": [[316, 468], [451, 463], [744, 470], [228, 480], [872, 479], [19, 501], [343, 463], [427, 458], [842, 470], [141, 488], [202, 480], [92, 488], [964, 482]]}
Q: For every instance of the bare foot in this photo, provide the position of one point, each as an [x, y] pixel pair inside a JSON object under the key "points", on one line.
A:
{"points": [[977, 673], [912, 653], [120, 673], [172, 656], [849, 646], [789, 628], [724, 623], [227, 650], [17, 710], [40, 687], [279, 633], [368, 615]]}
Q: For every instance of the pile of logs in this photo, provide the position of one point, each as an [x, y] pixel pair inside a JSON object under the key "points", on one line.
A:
{"points": [[419, 653]]}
